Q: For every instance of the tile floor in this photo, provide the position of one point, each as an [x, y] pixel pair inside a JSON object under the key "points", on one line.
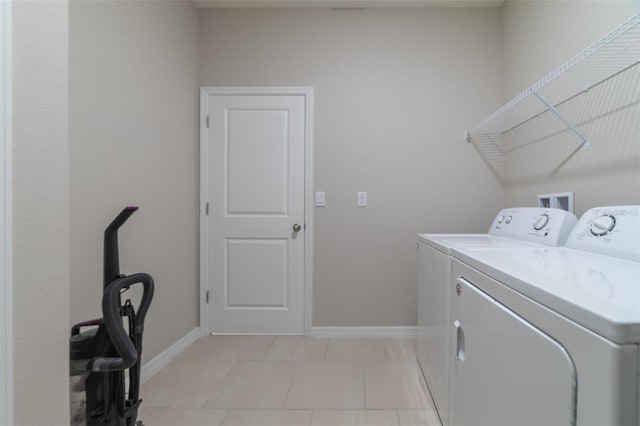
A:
{"points": [[290, 381]]}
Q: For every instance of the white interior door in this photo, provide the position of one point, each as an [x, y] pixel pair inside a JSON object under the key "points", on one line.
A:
{"points": [[256, 231]]}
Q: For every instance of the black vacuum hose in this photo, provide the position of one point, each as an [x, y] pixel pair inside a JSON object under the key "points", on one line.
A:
{"points": [[113, 322]]}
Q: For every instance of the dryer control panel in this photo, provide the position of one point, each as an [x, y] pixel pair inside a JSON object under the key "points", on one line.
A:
{"points": [[612, 231], [538, 225]]}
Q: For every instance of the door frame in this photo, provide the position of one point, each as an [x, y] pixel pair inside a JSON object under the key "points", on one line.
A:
{"points": [[307, 93], [6, 311]]}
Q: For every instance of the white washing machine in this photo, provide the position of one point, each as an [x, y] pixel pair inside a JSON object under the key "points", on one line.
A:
{"points": [[549, 335], [511, 228]]}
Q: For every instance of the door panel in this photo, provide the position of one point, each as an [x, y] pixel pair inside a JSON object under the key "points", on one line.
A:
{"points": [[257, 181], [264, 285], [505, 371], [255, 154]]}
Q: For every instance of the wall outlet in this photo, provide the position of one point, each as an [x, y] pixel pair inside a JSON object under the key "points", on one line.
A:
{"points": [[362, 199], [558, 200]]}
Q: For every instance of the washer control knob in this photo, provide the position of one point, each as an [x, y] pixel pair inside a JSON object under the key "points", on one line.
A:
{"points": [[541, 222], [500, 219], [508, 219], [602, 225]]}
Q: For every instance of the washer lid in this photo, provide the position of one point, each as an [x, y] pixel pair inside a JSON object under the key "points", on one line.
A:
{"points": [[446, 242], [599, 292]]}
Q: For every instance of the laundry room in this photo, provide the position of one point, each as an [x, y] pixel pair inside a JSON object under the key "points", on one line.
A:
{"points": [[283, 156]]}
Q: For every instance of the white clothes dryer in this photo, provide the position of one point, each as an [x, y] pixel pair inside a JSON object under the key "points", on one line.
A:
{"points": [[511, 229], [549, 335]]}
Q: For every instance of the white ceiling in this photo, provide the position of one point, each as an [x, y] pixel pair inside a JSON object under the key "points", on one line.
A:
{"points": [[347, 4]]}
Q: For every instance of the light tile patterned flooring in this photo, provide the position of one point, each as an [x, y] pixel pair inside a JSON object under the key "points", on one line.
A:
{"points": [[290, 381]]}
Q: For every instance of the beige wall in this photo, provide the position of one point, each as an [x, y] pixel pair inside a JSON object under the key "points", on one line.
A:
{"points": [[394, 90], [539, 36], [40, 213], [133, 141]]}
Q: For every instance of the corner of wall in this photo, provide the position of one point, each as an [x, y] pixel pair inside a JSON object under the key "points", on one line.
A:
{"points": [[40, 212]]}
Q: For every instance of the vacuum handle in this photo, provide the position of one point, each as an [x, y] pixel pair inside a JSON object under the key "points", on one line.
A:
{"points": [[121, 218], [111, 259], [113, 323]]}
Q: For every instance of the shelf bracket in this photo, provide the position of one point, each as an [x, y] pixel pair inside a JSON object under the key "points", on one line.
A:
{"points": [[585, 141]]}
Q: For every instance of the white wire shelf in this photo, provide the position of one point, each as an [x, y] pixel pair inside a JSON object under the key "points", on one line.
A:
{"points": [[613, 54]]}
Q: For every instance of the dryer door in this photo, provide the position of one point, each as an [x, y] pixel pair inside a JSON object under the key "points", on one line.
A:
{"points": [[505, 371]]}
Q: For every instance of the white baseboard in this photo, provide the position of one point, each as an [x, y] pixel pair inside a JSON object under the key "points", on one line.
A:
{"points": [[166, 356], [408, 331]]}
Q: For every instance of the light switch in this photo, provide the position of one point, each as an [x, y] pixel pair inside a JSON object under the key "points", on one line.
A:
{"points": [[362, 199], [320, 199]]}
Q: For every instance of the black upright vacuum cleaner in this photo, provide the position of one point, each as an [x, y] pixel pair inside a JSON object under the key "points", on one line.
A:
{"points": [[109, 350]]}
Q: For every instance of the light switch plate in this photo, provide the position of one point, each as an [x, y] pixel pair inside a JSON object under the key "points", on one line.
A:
{"points": [[320, 199], [362, 199]]}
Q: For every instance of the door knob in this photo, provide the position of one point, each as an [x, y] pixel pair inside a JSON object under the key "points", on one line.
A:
{"points": [[297, 227]]}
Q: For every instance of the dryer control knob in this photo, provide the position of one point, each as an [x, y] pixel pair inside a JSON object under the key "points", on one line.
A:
{"points": [[541, 222], [602, 225]]}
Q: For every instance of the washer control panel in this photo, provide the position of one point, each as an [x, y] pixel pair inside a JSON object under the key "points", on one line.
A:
{"points": [[541, 221], [612, 231], [602, 225], [539, 225]]}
